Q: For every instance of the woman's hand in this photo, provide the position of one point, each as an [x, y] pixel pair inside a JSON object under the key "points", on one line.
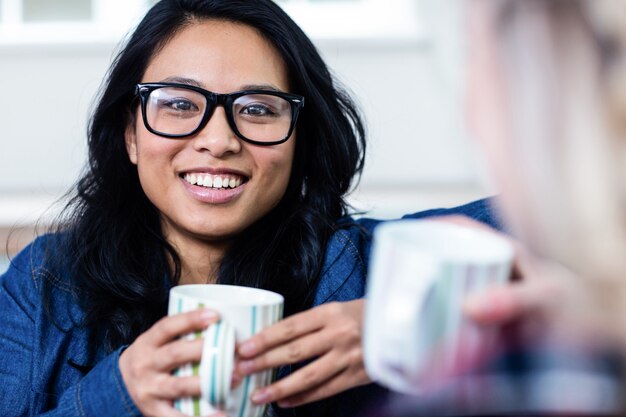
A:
{"points": [[146, 365], [527, 294], [535, 291], [554, 305], [329, 334]]}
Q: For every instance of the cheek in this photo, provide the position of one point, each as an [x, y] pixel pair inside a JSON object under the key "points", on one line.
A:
{"points": [[152, 151], [278, 166], [154, 161]]}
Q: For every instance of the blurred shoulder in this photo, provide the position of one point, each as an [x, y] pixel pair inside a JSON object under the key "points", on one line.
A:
{"points": [[479, 210]]}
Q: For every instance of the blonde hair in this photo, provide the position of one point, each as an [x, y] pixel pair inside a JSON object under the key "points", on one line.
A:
{"points": [[565, 70]]}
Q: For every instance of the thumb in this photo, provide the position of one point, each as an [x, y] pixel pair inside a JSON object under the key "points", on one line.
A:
{"points": [[503, 304]]}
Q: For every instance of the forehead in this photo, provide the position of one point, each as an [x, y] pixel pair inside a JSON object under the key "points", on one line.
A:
{"points": [[222, 56]]}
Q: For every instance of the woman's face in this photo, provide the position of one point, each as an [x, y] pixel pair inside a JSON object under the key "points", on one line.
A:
{"points": [[221, 57]]}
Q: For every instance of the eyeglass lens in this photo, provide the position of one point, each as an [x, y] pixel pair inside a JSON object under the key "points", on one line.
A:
{"points": [[179, 111]]}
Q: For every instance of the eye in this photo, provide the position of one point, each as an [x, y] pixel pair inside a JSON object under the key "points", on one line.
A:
{"points": [[179, 104], [257, 109]]}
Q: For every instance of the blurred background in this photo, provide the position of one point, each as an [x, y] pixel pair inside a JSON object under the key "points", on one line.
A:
{"points": [[401, 58]]}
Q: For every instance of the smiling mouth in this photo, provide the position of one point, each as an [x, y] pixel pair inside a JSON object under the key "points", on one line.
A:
{"points": [[215, 181]]}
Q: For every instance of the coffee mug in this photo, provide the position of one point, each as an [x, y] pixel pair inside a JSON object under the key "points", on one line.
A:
{"points": [[243, 312], [415, 333]]}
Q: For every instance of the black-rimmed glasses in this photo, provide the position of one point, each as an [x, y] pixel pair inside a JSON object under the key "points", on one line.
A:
{"points": [[261, 117]]}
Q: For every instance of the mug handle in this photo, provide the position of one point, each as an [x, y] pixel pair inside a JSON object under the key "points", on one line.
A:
{"points": [[401, 318], [217, 363]]}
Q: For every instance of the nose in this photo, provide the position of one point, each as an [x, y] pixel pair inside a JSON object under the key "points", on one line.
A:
{"points": [[216, 136]]}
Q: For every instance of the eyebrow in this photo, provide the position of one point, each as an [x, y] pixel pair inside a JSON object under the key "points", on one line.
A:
{"points": [[182, 80], [191, 81], [260, 87]]}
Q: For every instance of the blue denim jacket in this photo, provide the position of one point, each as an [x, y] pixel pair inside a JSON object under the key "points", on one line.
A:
{"points": [[58, 369]]}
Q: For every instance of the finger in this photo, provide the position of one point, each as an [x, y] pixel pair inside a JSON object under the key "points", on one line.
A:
{"points": [[500, 305], [495, 305], [285, 330], [170, 387], [171, 327], [177, 353], [236, 379], [164, 409], [306, 347], [317, 372], [336, 385]]}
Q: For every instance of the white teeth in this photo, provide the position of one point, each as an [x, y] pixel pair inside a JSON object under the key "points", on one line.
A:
{"points": [[210, 181]]}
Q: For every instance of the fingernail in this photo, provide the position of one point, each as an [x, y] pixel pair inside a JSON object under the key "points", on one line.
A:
{"points": [[236, 379], [208, 316], [261, 396], [473, 304], [246, 367], [247, 348], [480, 307]]}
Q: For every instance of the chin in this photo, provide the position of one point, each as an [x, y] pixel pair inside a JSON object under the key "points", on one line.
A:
{"points": [[215, 234]]}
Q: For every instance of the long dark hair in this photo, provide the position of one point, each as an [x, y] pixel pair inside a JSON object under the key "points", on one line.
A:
{"points": [[121, 266]]}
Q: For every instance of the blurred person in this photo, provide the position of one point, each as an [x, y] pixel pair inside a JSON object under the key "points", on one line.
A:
{"points": [[220, 151], [546, 102]]}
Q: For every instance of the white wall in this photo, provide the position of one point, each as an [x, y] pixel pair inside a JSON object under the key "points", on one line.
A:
{"points": [[418, 155]]}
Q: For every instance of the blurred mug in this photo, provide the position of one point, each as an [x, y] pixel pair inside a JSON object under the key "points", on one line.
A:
{"points": [[243, 312], [415, 334]]}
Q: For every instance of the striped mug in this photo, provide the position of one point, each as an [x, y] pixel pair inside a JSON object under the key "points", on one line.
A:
{"points": [[243, 312]]}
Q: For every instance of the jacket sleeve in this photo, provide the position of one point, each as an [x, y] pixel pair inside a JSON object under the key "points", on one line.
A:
{"points": [[101, 392]]}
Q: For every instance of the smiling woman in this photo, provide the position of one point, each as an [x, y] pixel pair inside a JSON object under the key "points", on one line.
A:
{"points": [[153, 210], [205, 166]]}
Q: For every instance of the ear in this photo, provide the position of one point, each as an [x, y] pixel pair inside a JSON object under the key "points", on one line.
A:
{"points": [[130, 137]]}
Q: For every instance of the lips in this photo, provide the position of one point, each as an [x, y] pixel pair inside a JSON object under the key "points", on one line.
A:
{"points": [[222, 188]]}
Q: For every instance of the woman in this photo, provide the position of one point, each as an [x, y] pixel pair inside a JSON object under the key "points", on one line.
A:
{"points": [[221, 151], [547, 105], [547, 91], [552, 72]]}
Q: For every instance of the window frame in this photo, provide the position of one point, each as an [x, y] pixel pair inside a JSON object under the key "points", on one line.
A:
{"points": [[322, 21], [107, 24]]}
